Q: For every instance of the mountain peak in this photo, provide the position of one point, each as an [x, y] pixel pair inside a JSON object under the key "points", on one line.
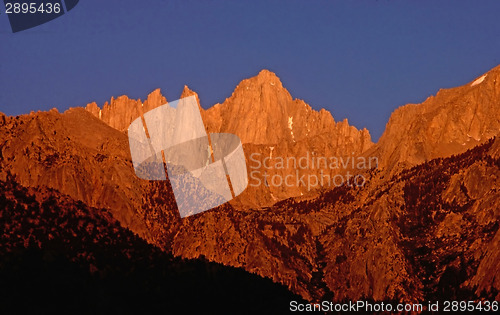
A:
{"points": [[267, 73], [188, 92], [266, 76], [265, 85], [154, 99], [451, 122], [261, 111], [121, 111]]}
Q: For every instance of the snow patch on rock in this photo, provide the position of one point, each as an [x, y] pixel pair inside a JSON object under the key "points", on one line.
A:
{"points": [[481, 79]]}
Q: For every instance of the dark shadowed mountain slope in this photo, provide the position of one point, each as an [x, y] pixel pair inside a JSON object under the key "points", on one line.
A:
{"points": [[58, 255]]}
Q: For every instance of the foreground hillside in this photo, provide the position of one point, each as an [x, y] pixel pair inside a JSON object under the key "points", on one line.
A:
{"points": [[58, 255]]}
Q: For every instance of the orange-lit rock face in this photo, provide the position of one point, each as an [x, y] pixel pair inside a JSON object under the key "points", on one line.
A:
{"points": [[451, 122], [271, 124], [120, 112], [262, 111]]}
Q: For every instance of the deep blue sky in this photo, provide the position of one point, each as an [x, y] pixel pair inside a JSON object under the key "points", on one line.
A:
{"points": [[358, 59]]}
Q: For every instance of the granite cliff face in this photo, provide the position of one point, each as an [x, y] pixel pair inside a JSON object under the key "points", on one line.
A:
{"points": [[272, 126], [262, 111], [450, 122], [120, 112]]}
